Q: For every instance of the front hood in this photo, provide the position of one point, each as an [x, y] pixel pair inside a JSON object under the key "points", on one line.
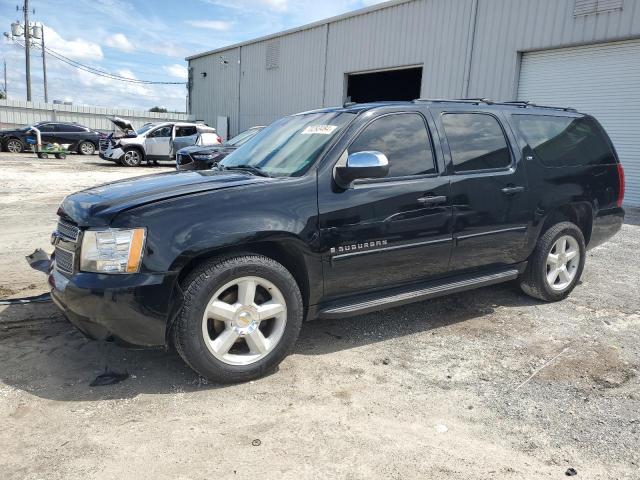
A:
{"points": [[97, 206], [204, 149], [122, 124]]}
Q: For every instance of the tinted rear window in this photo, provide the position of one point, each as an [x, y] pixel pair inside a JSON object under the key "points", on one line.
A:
{"points": [[476, 142], [565, 141]]}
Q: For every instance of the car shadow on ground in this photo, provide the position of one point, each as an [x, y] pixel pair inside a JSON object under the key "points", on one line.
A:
{"points": [[49, 358]]}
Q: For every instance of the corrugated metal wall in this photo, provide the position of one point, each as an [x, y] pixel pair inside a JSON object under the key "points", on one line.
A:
{"points": [[458, 42], [429, 33], [18, 112], [294, 86], [506, 27], [216, 94]]}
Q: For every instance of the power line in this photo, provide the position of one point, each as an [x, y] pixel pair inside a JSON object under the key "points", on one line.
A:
{"points": [[98, 72]]}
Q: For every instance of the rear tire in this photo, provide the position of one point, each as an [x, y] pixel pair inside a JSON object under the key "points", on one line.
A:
{"points": [[240, 318], [556, 264], [86, 148]]}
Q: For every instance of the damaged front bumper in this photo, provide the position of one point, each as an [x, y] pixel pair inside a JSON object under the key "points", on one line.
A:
{"points": [[111, 153], [134, 308]]}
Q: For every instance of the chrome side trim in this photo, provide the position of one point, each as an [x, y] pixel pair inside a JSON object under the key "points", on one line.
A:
{"points": [[390, 248], [492, 232]]}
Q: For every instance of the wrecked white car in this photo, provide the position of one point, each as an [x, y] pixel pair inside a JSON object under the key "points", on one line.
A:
{"points": [[153, 141]]}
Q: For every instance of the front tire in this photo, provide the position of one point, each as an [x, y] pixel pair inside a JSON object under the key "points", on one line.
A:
{"points": [[132, 157], [14, 145], [556, 264], [240, 318], [86, 148]]}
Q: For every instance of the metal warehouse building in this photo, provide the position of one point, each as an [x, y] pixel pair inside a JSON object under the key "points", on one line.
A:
{"points": [[579, 53]]}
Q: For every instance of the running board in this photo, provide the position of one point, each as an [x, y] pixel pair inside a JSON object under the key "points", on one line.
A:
{"points": [[418, 293]]}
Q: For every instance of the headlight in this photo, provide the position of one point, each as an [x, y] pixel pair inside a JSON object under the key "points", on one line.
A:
{"points": [[113, 250], [204, 156]]}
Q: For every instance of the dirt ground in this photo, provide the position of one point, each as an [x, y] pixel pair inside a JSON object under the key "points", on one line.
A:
{"points": [[487, 384]]}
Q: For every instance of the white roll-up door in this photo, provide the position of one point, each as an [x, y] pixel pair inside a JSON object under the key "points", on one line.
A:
{"points": [[602, 80]]}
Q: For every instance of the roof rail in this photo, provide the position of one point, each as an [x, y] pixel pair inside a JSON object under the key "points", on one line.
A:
{"points": [[526, 103], [486, 101], [475, 101]]}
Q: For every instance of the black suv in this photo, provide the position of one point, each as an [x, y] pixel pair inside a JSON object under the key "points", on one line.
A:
{"points": [[332, 213], [80, 139]]}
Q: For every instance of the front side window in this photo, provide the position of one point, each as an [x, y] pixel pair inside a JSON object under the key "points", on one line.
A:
{"points": [[289, 146], [476, 141], [404, 139], [161, 132], [46, 127], [565, 141]]}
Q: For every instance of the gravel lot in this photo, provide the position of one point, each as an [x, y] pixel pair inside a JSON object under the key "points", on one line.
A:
{"points": [[438, 390]]}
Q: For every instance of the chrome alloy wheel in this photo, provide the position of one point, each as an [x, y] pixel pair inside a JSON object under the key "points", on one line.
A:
{"points": [[132, 158], [87, 148], [244, 320], [14, 146], [562, 262]]}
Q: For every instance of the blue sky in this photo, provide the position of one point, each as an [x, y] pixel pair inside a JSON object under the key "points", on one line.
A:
{"points": [[145, 40]]}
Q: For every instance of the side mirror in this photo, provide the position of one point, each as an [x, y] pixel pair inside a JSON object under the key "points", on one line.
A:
{"points": [[367, 164]]}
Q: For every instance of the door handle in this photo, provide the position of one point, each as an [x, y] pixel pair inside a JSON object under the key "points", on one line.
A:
{"points": [[512, 190], [433, 200]]}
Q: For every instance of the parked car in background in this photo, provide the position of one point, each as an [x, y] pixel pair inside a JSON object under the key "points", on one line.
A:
{"points": [[334, 213], [204, 157], [153, 141], [76, 137]]}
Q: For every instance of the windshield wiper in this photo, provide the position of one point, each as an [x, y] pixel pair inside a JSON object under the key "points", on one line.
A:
{"points": [[248, 168]]}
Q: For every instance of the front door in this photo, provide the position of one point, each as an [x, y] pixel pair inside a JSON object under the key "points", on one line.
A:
{"points": [[488, 190], [384, 232], [158, 143]]}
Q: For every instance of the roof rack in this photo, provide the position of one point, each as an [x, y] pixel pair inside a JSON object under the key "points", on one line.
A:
{"points": [[526, 103], [475, 101], [486, 101]]}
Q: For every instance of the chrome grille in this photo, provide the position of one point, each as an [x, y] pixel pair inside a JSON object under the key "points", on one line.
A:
{"points": [[64, 260], [68, 230]]}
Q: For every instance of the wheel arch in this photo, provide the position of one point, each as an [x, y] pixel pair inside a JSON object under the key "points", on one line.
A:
{"points": [[287, 252], [139, 148], [579, 213]]}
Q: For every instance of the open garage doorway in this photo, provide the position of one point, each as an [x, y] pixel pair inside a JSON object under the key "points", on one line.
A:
{"points": [[397, 84]]}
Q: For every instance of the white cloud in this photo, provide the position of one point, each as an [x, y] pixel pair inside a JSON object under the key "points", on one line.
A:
{"points": [[218, 25], [77, 49], [119, 41], [177, 70]]}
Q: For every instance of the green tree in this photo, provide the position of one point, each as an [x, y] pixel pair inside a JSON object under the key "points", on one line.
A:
{"points": [[158, 109]]}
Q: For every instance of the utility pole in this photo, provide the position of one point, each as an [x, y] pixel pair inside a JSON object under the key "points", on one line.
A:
{"points": [[44, 66], [27, 44]]}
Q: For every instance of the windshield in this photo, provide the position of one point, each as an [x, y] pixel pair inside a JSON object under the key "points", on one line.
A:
{"points": [[289, 146], [242, 137]]}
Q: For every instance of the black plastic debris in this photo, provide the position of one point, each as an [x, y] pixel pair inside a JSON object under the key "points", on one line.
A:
{"points": [[45, 297], [108, 378], [256, 442], [570, 472], [39, 260]]}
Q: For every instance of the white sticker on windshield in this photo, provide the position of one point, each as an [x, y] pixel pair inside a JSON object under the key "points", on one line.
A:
{"points": [[319, 129]]}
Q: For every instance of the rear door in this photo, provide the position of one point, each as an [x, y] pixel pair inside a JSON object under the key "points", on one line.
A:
{"points": [[185, 136], [158, 143], [488, 189], [384, 232]]}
